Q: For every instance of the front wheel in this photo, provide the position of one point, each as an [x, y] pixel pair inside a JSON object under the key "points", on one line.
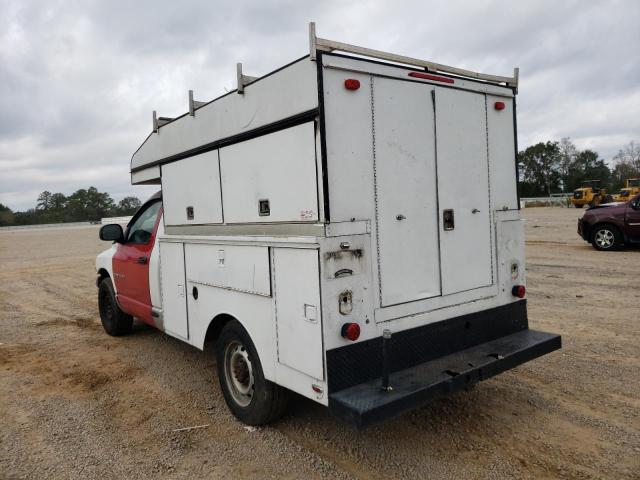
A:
{"points": [[605, 237], [250, 397], [114, 321]]}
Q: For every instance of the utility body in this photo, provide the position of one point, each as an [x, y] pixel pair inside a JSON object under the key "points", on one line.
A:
{"points": [[316, 208]]}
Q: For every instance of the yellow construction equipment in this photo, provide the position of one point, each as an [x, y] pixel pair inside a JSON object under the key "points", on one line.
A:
{"points": [[590, 194], [630, 191]]}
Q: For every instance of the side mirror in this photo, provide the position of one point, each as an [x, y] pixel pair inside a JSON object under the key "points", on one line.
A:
{"points": [[111, 233]]}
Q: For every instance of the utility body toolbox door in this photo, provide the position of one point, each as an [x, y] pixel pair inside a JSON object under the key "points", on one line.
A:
{"points": [[432, 191], [406, 191], [298, 313], [174, 294], [463, 190]]}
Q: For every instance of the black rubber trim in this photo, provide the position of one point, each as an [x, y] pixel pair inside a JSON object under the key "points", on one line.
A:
{"points": [[288, 122], [362, 361], [323, 138], [367, 403], [515, 143]]}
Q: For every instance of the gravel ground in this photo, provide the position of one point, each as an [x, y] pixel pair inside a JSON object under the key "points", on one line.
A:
{"points": [[75, 403]]}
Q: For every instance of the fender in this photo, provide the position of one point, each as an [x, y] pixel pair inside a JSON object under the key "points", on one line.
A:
{"points": [[104, 264]]}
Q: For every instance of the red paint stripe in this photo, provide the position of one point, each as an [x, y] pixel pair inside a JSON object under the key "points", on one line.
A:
{"points": [[428, 76]]}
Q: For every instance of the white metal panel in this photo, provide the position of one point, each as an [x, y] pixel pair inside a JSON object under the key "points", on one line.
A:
{"points": [[463, 186], [298, 312], [502, 155], [279, 167], [406, 193], [150, 175], [235, 267], [287, 92], [510, 235], [193, 182], [172, 279], [349, 147]]}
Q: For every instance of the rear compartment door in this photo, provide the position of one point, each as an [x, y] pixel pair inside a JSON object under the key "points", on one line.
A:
{"points": [[406, 192], [463, 190]]}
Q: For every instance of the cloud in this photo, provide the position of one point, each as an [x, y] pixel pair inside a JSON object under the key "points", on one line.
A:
{"points": [[78, 80]]}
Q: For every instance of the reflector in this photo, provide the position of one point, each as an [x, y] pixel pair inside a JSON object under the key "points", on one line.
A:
{"points": [[352, 84]]}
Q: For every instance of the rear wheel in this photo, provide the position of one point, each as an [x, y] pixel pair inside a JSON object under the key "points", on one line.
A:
{"points": [[605, 237], [250, 397], [114, 321]]}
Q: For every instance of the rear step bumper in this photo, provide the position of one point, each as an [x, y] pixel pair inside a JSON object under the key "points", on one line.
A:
{"points": [[366, 403]]}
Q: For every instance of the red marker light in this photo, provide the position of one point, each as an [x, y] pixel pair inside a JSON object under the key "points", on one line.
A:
{"points": [[351, 331], [518, 291], [498, 105], [352, 84], [428, 76]]}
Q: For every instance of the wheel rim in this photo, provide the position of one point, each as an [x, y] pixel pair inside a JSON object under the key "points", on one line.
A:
{"points": [[238, 372], [604, 238]]}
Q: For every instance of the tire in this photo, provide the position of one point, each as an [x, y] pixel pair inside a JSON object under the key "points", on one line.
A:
{"points": [[251, 398], [578, 206], [114, 321], [605, 237]]}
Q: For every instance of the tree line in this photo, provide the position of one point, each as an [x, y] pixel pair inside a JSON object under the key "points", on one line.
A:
{"points": [[83, 205], [557, 167], [544, 168]]}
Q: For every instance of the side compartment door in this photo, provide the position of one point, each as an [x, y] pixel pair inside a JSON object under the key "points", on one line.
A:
{"points": [[297, 304], [463, 190], [174, 295]]}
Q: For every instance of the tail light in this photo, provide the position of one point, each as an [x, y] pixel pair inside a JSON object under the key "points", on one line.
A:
{"points": [[518, 291], [499, 105], [350, 331]]}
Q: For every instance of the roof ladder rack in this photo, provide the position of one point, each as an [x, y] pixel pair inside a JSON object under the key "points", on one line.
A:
{"points": [[316, 43], [243, 80], [194, 104], [159, 121]]}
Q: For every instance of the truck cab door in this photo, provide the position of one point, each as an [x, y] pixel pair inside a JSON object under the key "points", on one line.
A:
{"points": [[131, 262], [632, 219]]}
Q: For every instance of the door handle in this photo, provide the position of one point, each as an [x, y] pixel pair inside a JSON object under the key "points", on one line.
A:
{"points": [[400, 216], [448, 221], [475, 210], [142, 260]]}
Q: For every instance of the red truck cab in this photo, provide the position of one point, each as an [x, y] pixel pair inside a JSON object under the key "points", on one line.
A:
{"points": [[128, 269]]}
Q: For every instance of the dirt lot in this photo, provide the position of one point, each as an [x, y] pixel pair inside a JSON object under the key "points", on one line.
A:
{"points": [[75, 403]]}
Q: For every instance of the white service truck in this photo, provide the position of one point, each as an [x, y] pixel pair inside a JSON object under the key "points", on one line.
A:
{"points": [[346, 227]]}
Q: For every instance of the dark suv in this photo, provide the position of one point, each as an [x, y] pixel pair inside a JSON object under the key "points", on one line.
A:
{"points": [[612, 224]]}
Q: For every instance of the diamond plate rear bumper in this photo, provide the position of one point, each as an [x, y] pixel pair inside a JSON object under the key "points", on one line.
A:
{"points": [[366, 403]]}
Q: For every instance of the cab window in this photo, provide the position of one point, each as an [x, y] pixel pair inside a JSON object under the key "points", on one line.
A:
{"points": [[141, 230]]}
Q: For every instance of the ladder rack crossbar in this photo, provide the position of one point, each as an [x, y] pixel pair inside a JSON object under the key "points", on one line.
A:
{"points": [[323, 44]]}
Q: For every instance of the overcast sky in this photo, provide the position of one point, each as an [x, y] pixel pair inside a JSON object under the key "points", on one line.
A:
{"points": [[79, 79]]}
